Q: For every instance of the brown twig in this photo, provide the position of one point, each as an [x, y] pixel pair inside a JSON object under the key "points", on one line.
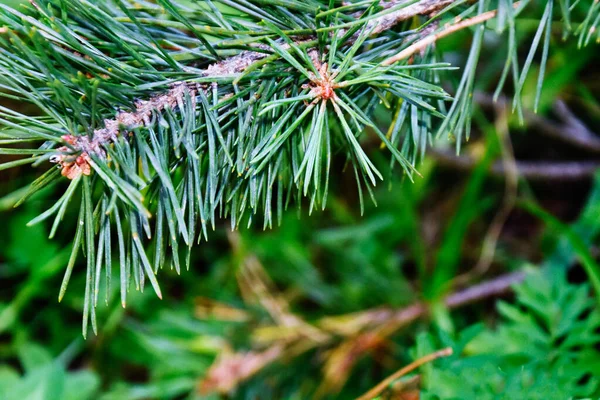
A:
{"points": [[373, 325], [448, 30], [388, 21], [492, 288], [569, 129], [574, 129], [374, 392], [397, 319], [530, 170]]}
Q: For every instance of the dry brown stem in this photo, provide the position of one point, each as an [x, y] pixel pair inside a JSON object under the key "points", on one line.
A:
{"points": [[356, 334], [561, 171], [403, 371], [231, 369], [449, 29]]}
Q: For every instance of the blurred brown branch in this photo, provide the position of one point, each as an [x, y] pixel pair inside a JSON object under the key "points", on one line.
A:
{"points": [[568, 129], [231, 369], [530, 170], [344, 339]]}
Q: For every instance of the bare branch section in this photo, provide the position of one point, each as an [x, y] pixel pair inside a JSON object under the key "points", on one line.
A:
{"points": [[560, 171], [400, 12], [448, 30], [236, 64], [73, 164]]}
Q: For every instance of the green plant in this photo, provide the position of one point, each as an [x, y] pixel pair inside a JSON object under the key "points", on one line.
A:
{"points": [[46, 378], [545, 347]]}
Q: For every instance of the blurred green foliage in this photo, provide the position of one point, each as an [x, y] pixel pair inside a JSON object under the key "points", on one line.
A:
{"points": [[545, 347], [542, 345]]}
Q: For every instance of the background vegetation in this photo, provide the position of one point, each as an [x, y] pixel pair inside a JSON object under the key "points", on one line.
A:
{"points": [[328, 305]]}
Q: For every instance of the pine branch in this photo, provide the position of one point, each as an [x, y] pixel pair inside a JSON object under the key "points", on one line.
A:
{"points": [[229, 67], [167, 118], [85, 146]]}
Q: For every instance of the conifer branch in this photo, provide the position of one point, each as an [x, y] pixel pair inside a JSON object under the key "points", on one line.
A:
{"points": [[244, 107], [73, 166], [84, 146], [560, 171]]}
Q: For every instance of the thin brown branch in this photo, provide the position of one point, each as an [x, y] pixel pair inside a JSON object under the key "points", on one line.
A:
{"points": [[448, 30], [492, 288], [574, 128], [394, 319], [400, 13], [397, 319], [531, 170], [569, 129], [374, 392], [371, 325]]}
